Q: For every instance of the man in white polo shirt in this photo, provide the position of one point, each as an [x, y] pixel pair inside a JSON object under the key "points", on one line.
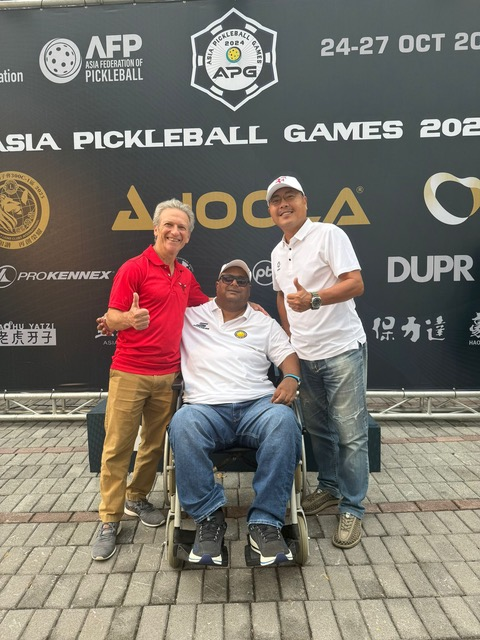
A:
{"points": [[317, 276], [227, 349]]}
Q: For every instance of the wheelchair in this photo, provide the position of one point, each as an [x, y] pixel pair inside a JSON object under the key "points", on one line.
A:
{"points": [[179, 539]]}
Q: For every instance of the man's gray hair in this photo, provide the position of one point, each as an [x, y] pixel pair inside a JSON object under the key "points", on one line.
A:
{"points": [[173, 203]]}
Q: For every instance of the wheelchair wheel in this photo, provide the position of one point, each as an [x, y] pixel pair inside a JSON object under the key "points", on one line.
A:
{"points": [[301, 556], [173, 561]]}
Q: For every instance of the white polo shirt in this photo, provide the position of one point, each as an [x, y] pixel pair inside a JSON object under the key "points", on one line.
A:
{"points": [[229, 361], [317, 254]]}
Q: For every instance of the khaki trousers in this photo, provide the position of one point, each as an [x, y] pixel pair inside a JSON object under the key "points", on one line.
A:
{"points": [[133, 399]]}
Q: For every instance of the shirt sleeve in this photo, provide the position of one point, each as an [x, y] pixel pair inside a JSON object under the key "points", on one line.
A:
{"points": [[279, 346], [195, 294], [340, 252], [127, 281]]}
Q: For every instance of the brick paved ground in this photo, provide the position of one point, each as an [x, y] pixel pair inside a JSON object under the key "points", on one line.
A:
{"points": [[415, 575]]}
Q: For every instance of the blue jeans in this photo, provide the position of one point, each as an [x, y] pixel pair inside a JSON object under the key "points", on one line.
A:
{"points": [[196, 430], [333, 399]]}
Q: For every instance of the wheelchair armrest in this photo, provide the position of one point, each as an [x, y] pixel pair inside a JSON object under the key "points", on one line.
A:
{"points": [[177, 384]]}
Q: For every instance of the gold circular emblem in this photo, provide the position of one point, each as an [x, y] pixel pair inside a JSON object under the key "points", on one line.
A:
{"points": [[240, 334], [24, 210]]}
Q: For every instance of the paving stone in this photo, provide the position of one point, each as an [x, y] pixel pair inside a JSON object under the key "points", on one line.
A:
{"points": [[153, 617], [464, 576], [125, 622], [342, 584], [63, 591], [181, 622], [215, 586], [69, 624], [14, 590], [466, 624], [139, 589], [97, 624], [434, 619], [89, 591], [378, 620], [441, 580], [366, 582], [37, 592], [14, 623], [265, 621], [265, 584], [241, 586], [349, 619], [41, 624], [164, 589], [190, 587], [237, 621], [406, 619], [209, 622]]}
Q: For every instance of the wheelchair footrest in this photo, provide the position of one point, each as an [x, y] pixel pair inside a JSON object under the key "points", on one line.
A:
{"points": [[183, 543]]}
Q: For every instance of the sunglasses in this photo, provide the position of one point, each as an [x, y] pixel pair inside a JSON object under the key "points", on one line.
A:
{"points": [[242, 282]]}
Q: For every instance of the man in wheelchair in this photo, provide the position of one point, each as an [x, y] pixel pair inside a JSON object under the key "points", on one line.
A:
{"points": [[227, 349]]}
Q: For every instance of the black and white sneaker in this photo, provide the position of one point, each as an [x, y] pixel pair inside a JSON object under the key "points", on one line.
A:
{"points": [[207, 548], [268, 542]]}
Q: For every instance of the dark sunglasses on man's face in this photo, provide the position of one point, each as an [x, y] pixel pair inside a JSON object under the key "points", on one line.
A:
{"points": [[242, 282]]}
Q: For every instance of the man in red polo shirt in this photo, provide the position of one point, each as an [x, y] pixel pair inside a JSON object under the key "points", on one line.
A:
{"points": [[147, 305]]}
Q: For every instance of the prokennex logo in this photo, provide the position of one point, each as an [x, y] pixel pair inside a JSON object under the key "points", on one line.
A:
{"points": [[437, 210], [234, 59], [8, 275]]}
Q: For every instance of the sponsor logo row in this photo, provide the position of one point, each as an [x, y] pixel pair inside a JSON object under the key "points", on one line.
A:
{"points": [[399, 269], [384, 329], [25, 209], [233, 58]]}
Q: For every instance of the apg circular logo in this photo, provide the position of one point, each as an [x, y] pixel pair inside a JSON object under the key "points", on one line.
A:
{"points": [[234, 59], [60, 60], [24, 210], [262, 273]]}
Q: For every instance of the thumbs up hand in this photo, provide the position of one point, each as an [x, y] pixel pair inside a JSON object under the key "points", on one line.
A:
{"points": [[139, 318], [301, 299]]}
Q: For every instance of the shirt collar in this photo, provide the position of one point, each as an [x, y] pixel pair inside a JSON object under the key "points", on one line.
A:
{"points": [[300, 234]]}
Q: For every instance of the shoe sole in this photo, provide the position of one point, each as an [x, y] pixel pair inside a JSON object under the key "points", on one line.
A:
{"points": [[101, 558], [147, 524], [205, 559], [265, 562], [325, 505]]}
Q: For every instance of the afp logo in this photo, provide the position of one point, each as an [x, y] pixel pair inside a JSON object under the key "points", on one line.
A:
{"points": [[234, 59]]}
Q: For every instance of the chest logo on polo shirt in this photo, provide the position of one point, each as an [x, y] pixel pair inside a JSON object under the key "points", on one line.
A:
{"points": [[202, 325], [240, 334]]}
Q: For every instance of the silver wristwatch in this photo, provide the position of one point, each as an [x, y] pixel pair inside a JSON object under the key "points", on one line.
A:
{"points": [[316, 301]]}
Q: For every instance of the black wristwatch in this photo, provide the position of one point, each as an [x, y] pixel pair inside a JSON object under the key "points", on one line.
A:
{"points": [[316, 301]]}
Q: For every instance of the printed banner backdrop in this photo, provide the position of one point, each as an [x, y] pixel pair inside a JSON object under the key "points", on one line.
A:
{"points": [[107, 110]]}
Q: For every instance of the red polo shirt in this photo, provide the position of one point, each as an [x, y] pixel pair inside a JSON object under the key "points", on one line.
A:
{"points": [[155, 350]]}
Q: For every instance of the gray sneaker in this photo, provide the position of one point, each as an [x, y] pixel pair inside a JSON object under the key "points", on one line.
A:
{"points": [[143, 509], [207, 547], [104, 546], [269, 543], [349, 531], [318, 501]]}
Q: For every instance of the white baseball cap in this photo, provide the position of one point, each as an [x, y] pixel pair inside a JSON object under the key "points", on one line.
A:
{"points": [[237, 263], [283, 181]]}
